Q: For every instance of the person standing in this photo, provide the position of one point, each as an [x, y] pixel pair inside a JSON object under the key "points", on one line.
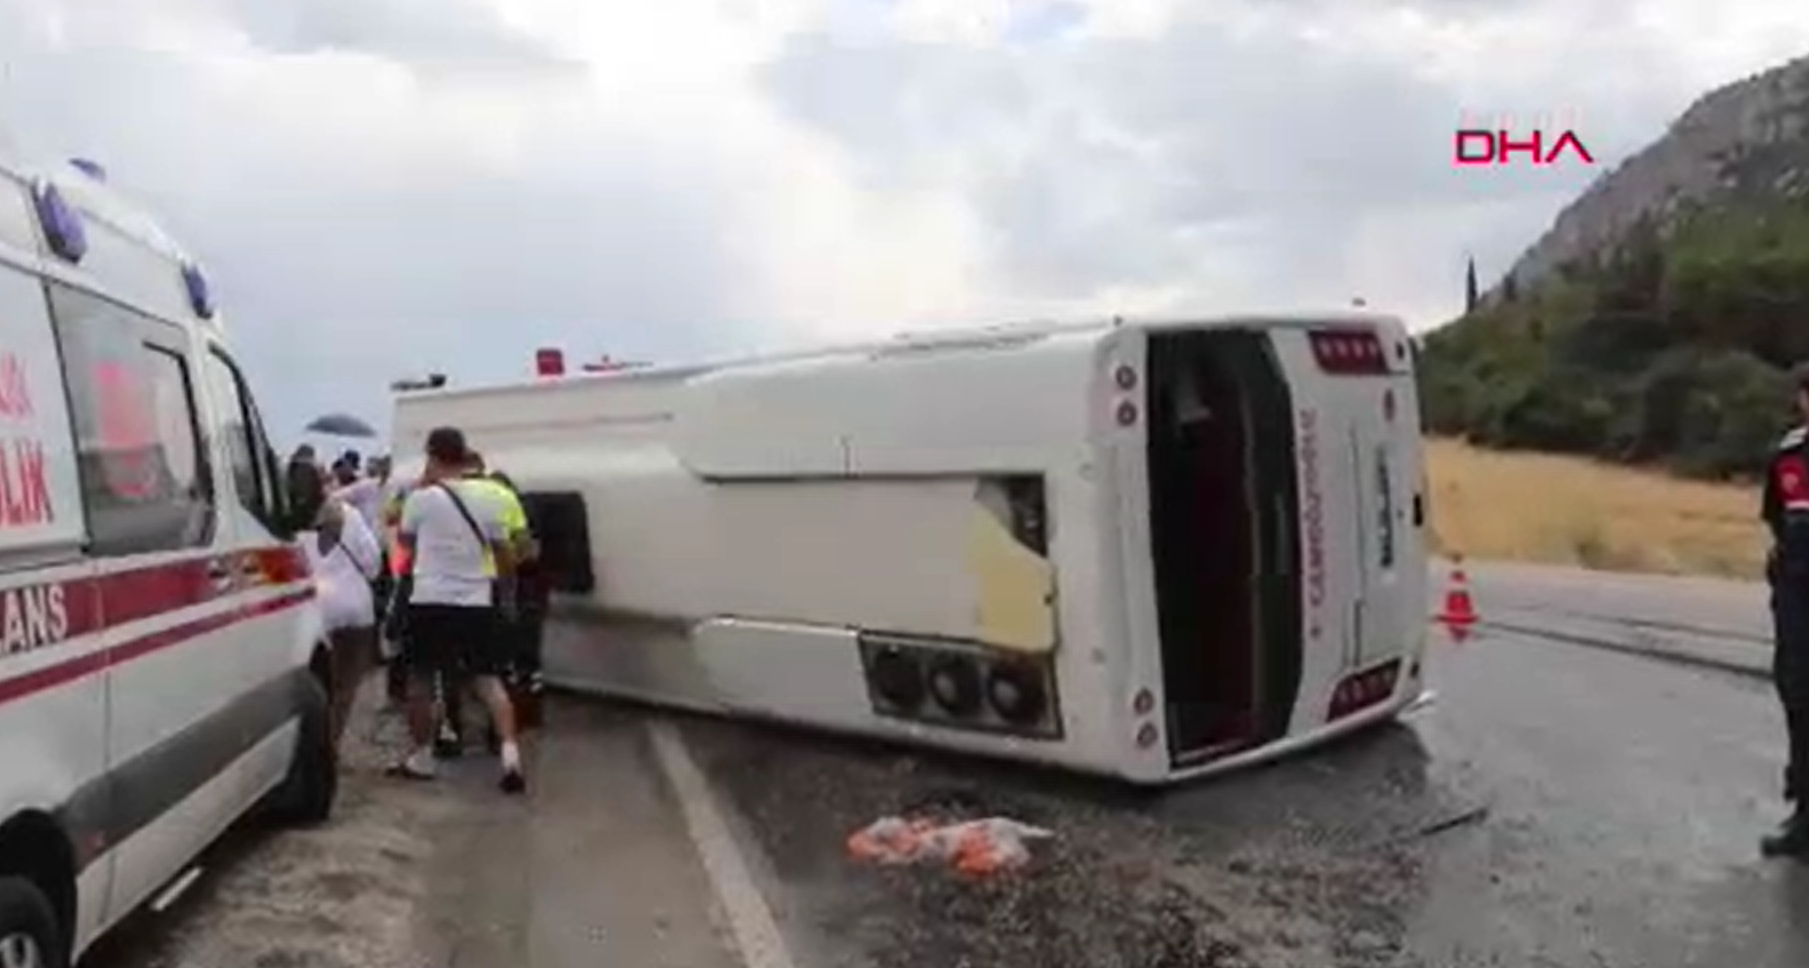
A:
{"points": [[532, 592], [344, 557], [394, 616], [514, 519], [366, 492], [1785, 507], [449, 529]]}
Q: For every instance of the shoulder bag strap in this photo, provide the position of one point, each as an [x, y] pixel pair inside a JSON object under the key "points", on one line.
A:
{"points": [[465, 513]]}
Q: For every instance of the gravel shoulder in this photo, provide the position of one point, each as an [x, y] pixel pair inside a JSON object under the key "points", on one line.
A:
{"points": [[593, 867]]}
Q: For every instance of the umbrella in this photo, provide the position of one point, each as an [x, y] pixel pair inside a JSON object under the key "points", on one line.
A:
{"points": [[341, 425]]}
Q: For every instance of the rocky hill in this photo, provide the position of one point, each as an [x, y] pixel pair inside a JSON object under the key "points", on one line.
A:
{"points": [[1749, 138], [1653, 323]]}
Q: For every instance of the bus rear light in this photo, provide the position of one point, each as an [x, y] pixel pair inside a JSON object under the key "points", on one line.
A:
{"points": [[1145, 703], [1125, 378], [1147, 736], [1127, 413], [955, 685], [1015, 692], [1364, 689], [897, 679], [960, 684], [1349, 352]]}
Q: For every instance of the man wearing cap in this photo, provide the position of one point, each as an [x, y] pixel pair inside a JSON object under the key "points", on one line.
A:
{"points": [[1785, 506]]}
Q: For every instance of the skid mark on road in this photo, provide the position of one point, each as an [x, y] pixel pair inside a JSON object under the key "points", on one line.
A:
{"points": [[750, 919]]}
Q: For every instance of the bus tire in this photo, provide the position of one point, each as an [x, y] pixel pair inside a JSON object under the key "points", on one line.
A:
{"points": [[306, 795], [28, 923]]}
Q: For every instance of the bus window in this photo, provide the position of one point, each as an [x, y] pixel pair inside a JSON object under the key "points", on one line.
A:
{"points": [[146, 484], [562, 525]]}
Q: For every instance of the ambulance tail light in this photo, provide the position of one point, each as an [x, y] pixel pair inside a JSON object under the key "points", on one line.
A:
{"points": [[1349, 352]]}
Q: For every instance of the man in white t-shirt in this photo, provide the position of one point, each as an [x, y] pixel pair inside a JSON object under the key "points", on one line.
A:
{"points": [[454, 626]]}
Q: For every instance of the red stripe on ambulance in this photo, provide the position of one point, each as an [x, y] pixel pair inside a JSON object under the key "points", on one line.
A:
{"points": [[34, 617]]}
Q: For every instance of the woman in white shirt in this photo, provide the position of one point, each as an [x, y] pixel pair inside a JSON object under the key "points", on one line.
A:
{"points": [[344, 557]]}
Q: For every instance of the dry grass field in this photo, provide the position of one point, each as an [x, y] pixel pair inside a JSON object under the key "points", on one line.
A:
{"points": [[1569, 511]]}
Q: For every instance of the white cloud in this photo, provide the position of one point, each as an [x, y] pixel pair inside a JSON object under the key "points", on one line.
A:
{"points": [[381, 186]]}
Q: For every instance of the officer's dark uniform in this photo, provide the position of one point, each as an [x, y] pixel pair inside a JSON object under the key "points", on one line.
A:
{"points": [[1786, 511]]}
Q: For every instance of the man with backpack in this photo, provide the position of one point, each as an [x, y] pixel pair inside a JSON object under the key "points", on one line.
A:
{"points": [[460, 552]]}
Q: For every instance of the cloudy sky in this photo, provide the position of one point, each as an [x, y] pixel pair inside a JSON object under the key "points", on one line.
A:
{"points": [[382, 187]]}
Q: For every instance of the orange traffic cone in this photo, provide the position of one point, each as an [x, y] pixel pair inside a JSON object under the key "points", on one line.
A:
{"points": [[1460, 611]]}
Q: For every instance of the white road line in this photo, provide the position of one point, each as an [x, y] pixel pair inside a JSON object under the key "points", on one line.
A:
{"points": [[750, 919]]}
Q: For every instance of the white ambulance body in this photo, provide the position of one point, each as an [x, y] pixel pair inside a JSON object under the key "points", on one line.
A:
{"points": [[157, 624], [1148, 549]]}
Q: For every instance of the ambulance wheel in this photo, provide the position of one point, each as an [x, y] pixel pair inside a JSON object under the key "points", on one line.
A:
{"points": [[305, 797], [28, 926]]}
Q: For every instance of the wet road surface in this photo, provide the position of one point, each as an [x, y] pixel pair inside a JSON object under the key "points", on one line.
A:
{"points": [[1559, 806], [1708, 610]]}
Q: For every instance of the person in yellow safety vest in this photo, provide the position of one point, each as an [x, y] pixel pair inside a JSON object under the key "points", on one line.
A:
{"points": [[514, 516]]}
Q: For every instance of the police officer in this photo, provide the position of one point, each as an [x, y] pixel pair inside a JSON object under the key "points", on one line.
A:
{"points": [[1786, 512]]}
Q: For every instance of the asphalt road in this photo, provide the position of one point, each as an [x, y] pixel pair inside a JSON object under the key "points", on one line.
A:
{"points": [[1560, 805], [1704, 606], [1726, 624]]}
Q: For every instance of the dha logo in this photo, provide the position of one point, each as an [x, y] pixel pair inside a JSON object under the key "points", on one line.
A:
{"points": [[1543, 140]]}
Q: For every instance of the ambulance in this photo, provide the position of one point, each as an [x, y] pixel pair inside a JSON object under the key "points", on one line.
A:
{"points": [[162, 668]]}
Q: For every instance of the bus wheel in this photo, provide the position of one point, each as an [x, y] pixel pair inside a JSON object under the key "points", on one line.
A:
{"points": [[306, 795], [28, 927]]}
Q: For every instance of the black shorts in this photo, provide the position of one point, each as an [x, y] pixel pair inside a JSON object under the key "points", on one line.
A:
{"points": [[458, 640]]}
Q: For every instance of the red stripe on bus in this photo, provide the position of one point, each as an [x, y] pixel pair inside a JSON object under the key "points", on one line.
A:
{"points": [[70, 670]]}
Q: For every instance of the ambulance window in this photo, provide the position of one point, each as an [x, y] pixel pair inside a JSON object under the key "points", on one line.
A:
{"points": [[145, 475], [255, 474]]}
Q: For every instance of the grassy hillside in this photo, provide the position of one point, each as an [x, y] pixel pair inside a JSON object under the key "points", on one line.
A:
{"points": [[1669, 351], [1575, 511]]}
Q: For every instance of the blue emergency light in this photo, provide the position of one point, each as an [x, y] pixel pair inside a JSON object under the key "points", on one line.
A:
{"points": [[61, 222], [199, 299]]}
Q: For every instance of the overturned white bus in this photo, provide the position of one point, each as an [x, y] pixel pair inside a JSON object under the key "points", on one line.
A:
{"points": [[1149, 550]]}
